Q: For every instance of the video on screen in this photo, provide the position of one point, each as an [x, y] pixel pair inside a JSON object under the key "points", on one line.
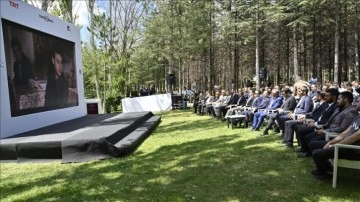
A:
{"points": [[41, 70]]}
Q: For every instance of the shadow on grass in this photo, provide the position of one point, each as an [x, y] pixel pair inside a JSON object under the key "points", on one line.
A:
{"points": [[223, 168]]}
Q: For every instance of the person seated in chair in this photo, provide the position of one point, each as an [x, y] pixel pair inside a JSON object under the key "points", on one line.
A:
{"points": [[289, 104], [275, 102], [265, 101], [301, 130], [204, 102], [217, 107], [242, 103], [304, 106], [314, 116], [219, 97], [234, 100], [338, 122], [322, 151]]}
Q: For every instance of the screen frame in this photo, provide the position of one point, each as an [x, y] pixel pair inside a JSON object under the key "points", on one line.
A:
{"points": [[28, 16]]}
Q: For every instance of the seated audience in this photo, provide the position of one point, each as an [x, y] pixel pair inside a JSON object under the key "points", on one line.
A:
{"points": [[338, 122], [314, 115], [322, 151], [331, 96], [275, 102], [304, 106], [288, 106], [265, 101]]}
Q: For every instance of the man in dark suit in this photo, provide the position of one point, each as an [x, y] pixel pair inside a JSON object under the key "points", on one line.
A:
{"points": [[234, 100], [242, 102], [338, 122], [331, 96], [289, 104], [314, 115], [304, 106]]}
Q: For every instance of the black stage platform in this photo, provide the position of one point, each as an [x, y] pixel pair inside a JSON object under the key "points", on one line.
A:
{"points": [[87, 138]]}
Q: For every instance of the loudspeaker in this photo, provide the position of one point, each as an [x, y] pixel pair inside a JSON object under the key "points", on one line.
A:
{"points": [[171, 79]]}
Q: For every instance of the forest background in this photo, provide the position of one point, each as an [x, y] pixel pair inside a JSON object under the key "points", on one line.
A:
{"points": [[211, 42]]}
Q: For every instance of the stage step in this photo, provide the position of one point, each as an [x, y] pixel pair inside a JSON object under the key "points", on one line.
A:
{"points": [[128, 144]]}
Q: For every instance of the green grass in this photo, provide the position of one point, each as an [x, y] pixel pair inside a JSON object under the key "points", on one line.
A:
{"points": [[187, 158]]}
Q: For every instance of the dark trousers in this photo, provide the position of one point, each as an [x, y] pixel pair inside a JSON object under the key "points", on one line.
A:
{"points": [[272, 118], [196, 104], [321, 156], [301, 131], [281, 121], [210, 110], [223, 110], [289, 130], [200, 108], [313, 136]]}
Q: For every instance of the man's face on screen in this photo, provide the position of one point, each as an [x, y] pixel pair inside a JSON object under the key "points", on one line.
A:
{"points": [[57, 61]]}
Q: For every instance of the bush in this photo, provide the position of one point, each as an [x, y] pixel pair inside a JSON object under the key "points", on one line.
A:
{"points": [[112, 103]]}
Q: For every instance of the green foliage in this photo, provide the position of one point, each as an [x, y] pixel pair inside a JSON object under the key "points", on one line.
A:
{"points": [[64, 11], [112, 103]]}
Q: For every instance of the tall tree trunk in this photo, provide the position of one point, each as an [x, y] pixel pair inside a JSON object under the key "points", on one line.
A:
{"points": [[90, 6], [287, 56], [295, 53], [278, 61], [314, 52], [357, 65], [45, 5], [257, 56], [211, 51], [236, 50], [305, 67], [345, 66], [336, 45], [171, 48]]}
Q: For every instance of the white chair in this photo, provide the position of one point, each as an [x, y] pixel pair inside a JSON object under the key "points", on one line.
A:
{"points": [[237, 116], [344, 163], [330, 135]]}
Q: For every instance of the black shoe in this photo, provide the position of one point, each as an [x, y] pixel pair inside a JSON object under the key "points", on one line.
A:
{"points": [[276, 129], [303, 155], [265, 132], [288, 146], [320, 176]]}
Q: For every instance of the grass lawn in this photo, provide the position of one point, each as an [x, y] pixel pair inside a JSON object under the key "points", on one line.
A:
{"points": [[187, 158]]}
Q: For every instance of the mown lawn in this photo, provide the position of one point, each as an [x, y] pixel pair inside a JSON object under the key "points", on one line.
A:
{"points": [[187, 158]]}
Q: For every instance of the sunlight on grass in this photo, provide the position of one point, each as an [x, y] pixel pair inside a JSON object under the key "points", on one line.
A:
{"points": [[112, 175], [161, 180]]}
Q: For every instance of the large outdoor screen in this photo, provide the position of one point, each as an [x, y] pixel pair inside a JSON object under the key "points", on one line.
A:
{"points": [[41, 70]]}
